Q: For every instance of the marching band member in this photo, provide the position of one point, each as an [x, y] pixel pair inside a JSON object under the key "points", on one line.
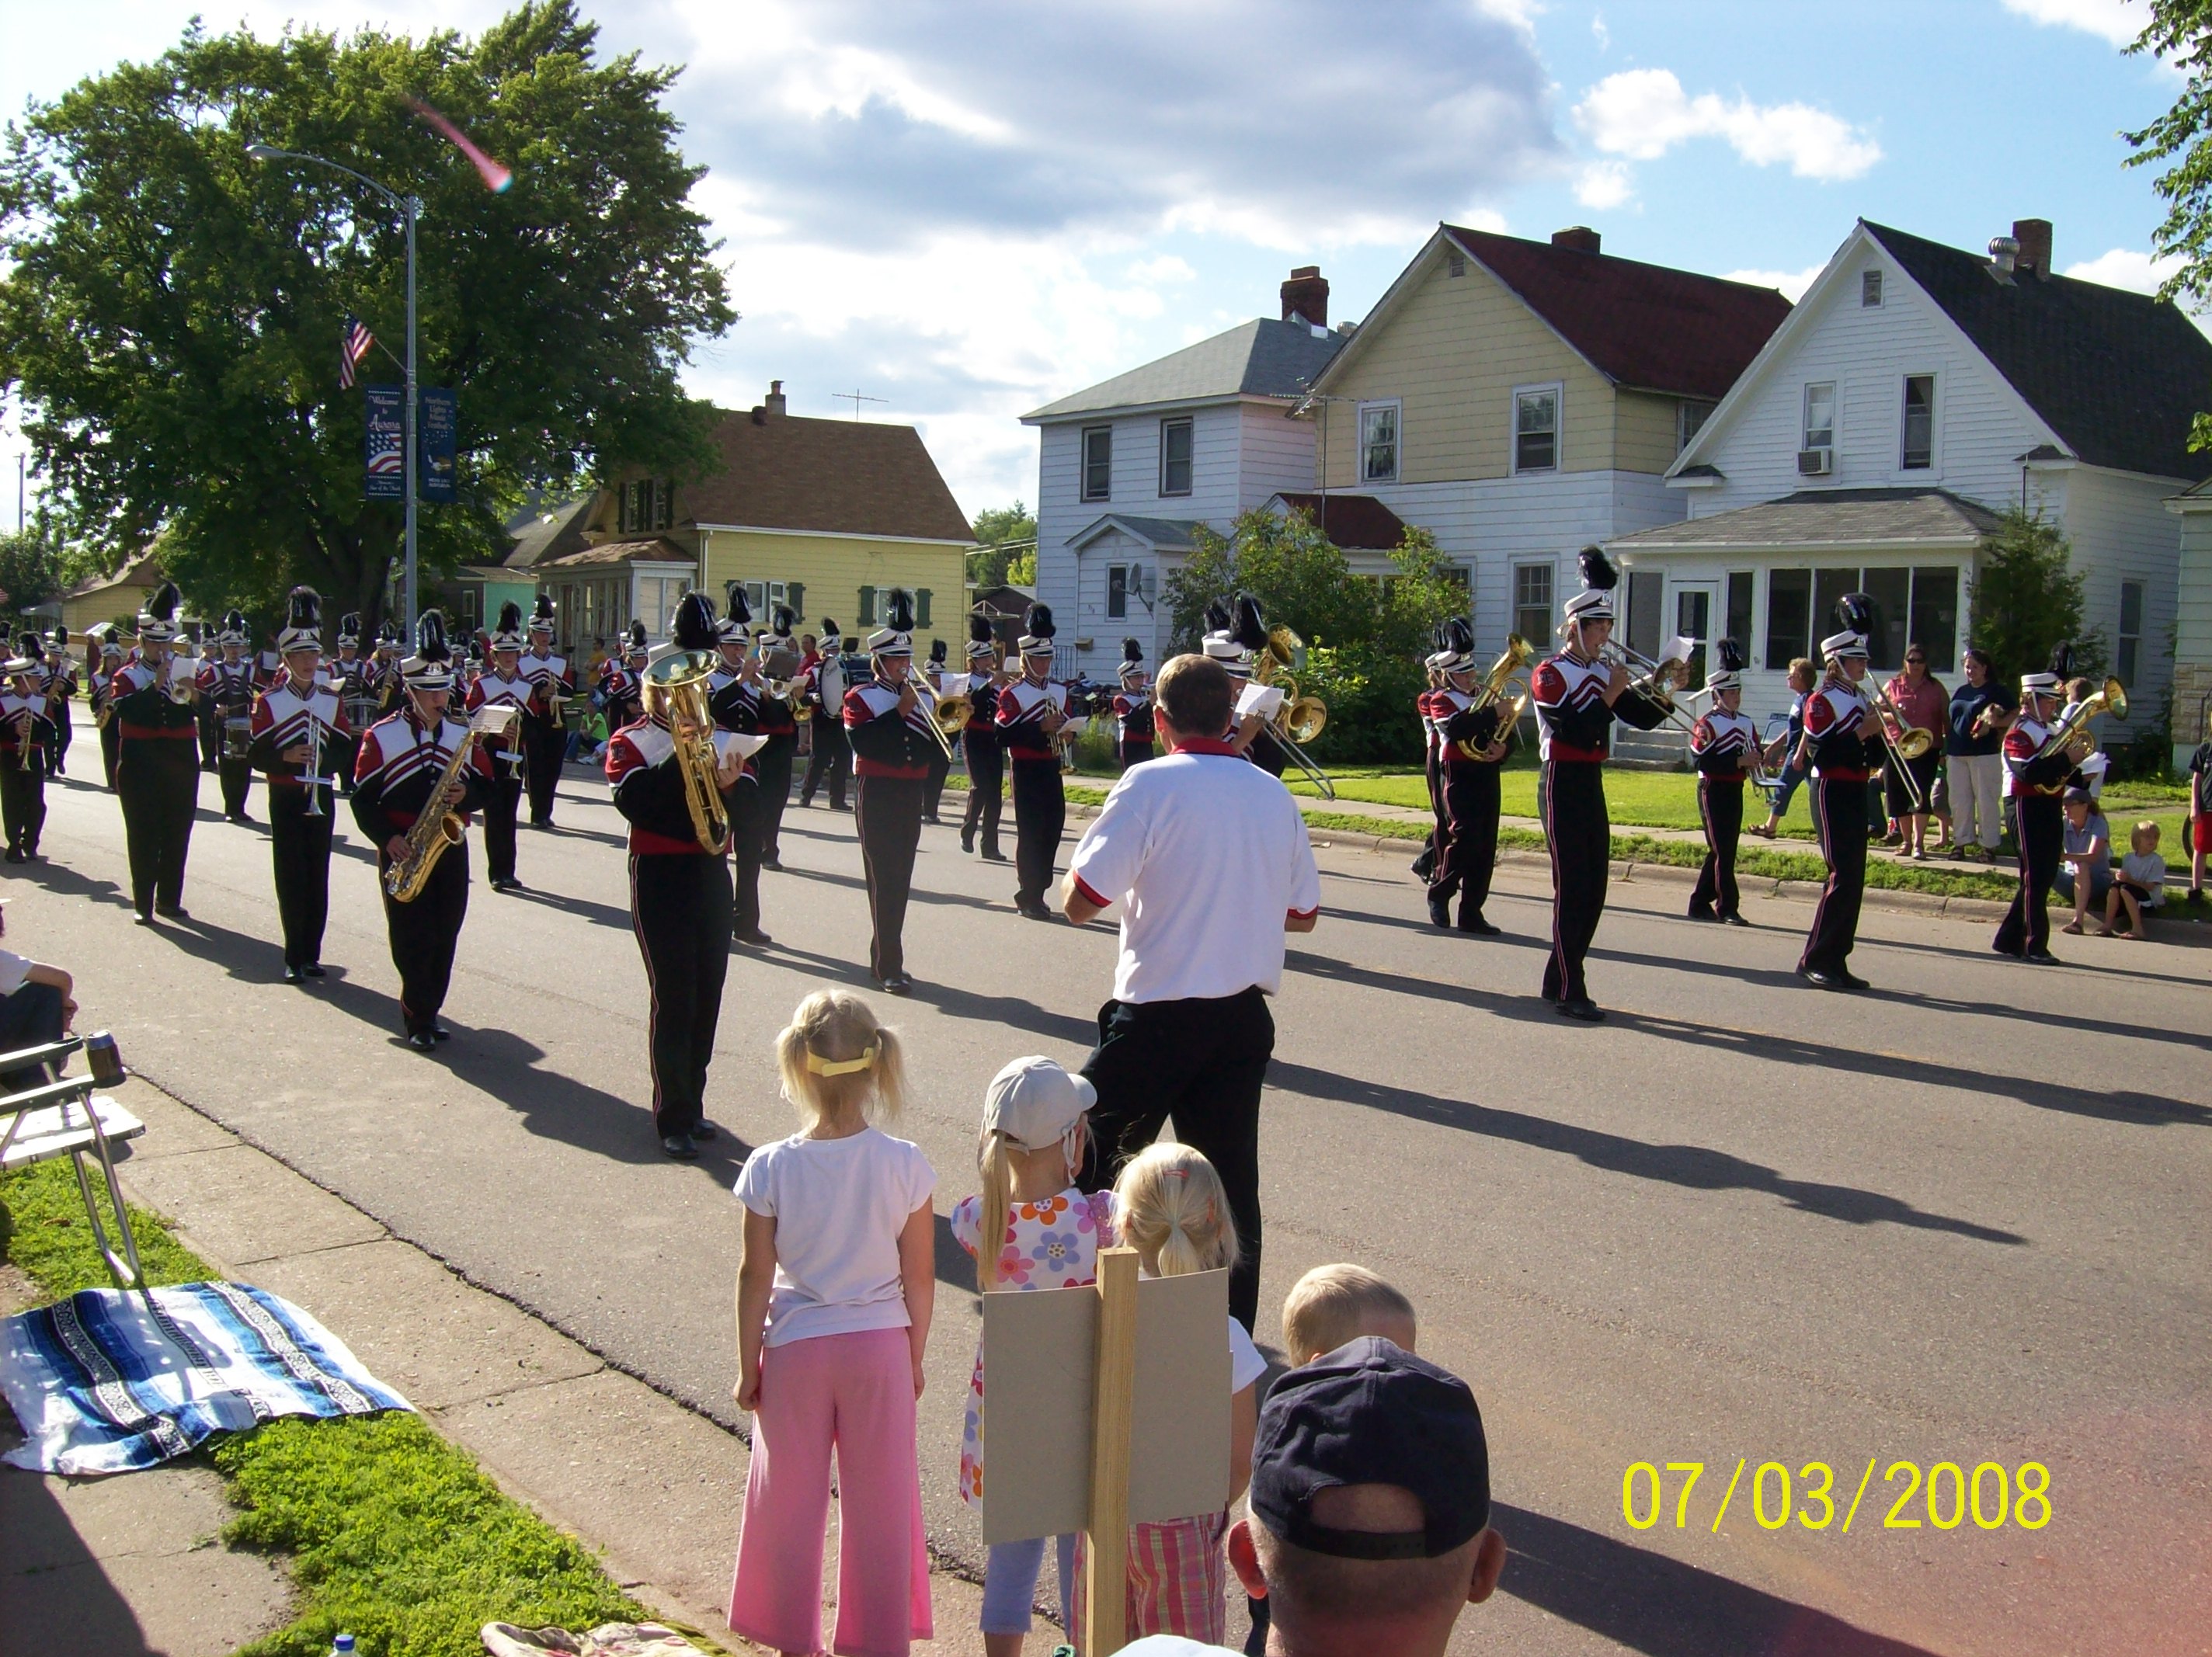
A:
{"points": [[621, 684], [888, 722], [1234, 637], [935, 690], [1030, 712], [57, 684], [1578, 695], [1470, 747], [383, 680], [679, 892], [980, 744], [204, 657], [227, 685], [2036, 774], [503, 684], [26, 747], [825, 692], [1424, 866], [544, 733], [268, 665], [299, 729], [1132, 709], [775, 720], [156, 776], [400, 763], [103, 660], [737, 700], [1722, 745], [1843, 747], [348, 678]]}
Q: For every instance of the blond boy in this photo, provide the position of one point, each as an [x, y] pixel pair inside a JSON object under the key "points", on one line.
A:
{"points": [[1333, 1304]]}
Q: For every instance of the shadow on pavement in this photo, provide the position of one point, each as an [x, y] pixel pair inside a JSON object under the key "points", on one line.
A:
{"points": [[57, 1593], [1659, 1606], [1693, 1167]]}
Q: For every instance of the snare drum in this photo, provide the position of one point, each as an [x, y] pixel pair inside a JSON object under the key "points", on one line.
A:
{"points": [[237, 736]]}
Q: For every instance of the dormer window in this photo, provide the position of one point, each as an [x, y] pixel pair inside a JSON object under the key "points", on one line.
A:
{"points": [[1870, 288], [1918, 452]]}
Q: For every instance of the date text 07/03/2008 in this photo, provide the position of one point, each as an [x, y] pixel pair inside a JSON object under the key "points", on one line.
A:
{"points": [[1942, 1496]]}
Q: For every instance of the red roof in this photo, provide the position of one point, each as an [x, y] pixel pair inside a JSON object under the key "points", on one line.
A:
{"points": [[1357, 521], [1642, 325]]}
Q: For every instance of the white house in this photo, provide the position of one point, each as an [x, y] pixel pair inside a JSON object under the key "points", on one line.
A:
{"points": [[1915, 392], [1129, 468]]}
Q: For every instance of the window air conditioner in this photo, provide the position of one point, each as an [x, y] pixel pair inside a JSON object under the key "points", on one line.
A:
{"points": [[1815, 463]]}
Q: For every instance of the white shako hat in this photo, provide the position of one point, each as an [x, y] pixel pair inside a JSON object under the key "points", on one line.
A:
{"points": [[737, 616], [1454, 651], [1855, 612], [303, 622], [830, 643], [781, 621], [2053, 680], [636, 644], [507, 635], [1038, 630], [234, 630], [1133, 659], [27, 657], [981, 646], [157, 623], [1727, 675], [431, 666], [895, 636], [1600, 576], [541, 614], [1219, 642], [350, 628]]}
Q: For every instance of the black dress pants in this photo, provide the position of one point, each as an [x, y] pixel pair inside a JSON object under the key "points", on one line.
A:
{"points": [[235, 775], [1466, 839], [158, 781], [832, 758], [425, 935], [889, 817], [679, 907], [1719, 808], [772, 766], [987, 774], [1840, 814], [1571, 800], [1201, 1063], [1040, 818], [502, 804], [64, 730], [111, 751], [544, 747], [2039, 831], [23, 802], [1135, 753], [746, 806], [300, 845], [933, 787]]}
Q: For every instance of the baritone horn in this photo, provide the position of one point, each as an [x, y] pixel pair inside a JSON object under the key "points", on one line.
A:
{"points": [[1496, 685], [1301, 717], [676, 685]]}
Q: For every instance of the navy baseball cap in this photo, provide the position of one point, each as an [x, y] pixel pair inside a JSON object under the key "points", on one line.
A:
{"points": [[1370, 1413]]}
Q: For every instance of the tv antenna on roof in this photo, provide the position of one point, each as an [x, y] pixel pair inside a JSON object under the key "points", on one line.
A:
{"points": [[858, 398]]}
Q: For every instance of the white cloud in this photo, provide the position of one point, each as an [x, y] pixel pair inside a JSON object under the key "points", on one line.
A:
{"points": [[2115, 21], [1599, 32], [2122, 267], [1168, 267], [1793, 283], [1642, 113], [1604, 185]]}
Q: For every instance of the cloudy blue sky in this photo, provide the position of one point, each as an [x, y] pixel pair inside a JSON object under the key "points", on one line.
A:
{"points": [[969, 207]]}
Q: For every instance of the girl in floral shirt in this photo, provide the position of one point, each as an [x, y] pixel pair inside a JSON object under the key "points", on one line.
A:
{"points": [[1035, 1127]]}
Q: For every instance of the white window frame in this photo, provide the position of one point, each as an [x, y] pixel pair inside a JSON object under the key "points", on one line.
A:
{"points": [[1557, 390], [1805, 413], [1124, 572], [1684, 436], [2121, 639], [1550, 568], [1395, 409], [1082, 463], [1870, 288], [1190, 424], [1935, 466]]}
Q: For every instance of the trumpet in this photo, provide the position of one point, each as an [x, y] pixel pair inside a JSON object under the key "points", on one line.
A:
{"points": [[1298, 719]]}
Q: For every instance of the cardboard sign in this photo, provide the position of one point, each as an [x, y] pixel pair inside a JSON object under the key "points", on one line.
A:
{"points": [[1040, 1379]]}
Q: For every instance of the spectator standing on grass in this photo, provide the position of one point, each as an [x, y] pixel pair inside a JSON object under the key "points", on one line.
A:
{"points": [[1973, 760], [37, 1005], [1922, 705], [2142, 882], [2200, 816], [835, 1290], [1784, 750], [2085, 867]]}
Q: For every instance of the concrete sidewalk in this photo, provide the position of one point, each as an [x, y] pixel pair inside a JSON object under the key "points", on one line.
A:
{"points": [[130, 1566]]}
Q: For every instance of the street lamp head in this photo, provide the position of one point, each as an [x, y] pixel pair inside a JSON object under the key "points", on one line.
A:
{"points": [[265, 153]]}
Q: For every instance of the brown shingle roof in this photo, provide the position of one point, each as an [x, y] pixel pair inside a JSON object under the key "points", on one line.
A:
{"points": [[657, 550], [1647, 326], [842, 476], [1357, 521], [140, 570]]}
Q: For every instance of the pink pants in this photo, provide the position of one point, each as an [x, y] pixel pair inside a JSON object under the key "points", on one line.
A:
{"points": [[856, 1392]]}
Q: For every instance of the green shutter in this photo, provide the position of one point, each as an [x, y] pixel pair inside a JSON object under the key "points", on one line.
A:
{"points": [[921, 606], [867, 607], [795, 596]]}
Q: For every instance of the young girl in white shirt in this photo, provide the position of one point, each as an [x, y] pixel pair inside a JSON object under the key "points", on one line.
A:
{"points": [[834, 1297], [1037, 1127], [1169, 1206]]}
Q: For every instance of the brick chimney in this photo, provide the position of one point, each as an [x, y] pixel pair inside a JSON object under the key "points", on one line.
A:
{"points": [[2033, 236], [1577, 238], [775, 402], [1306, 294]]}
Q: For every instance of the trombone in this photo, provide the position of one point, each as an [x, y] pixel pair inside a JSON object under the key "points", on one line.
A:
{"points": [[1903, 742], [1298, 719]]}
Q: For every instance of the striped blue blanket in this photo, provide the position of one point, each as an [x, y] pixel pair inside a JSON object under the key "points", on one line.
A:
{"points": [[109, 1381]]}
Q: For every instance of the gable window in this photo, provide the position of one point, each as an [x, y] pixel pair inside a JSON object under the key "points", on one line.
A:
{"points": [[868, 606], [2129, 655], [1379, 443], [1537, 429], [1918, 451], [1689, 420], [1870, 288], [1175, 456], [1097, 462], [1532, 603], [1820, 431], [1117, 591], [922, 602]]}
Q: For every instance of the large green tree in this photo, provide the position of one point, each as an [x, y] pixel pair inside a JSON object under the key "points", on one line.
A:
{"points": [[2180, 142], [2026, 599], [1008, 537], [172, 310]]}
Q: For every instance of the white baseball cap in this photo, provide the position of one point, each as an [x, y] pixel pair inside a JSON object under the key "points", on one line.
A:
{"points": [[1034, 1102]]}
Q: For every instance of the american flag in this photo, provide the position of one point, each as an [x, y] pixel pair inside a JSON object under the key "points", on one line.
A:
{"points": [[352, 347]]}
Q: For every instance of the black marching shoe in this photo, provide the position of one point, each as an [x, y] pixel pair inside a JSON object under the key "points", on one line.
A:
{"points": [[172, 911], [968, 841], [706, 1130], [1732, 918], [1583, 1008], [422, 1041], [751, 937], [15, 854], [1478, 926], [1440, 912], [314, 969], [773, 865], [294, 975], [440, 1033], [679, 1146], [896, 984], [1822, 980], [1851, 980], [1702, 912], [993, 854], [145, 917], [2041, 958]]}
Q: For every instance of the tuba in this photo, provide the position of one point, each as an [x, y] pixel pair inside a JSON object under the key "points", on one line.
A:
{"points": [[1495, 685], [676, 687]]}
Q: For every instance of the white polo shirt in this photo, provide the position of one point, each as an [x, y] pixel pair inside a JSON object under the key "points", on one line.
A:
{"points": [[1207, 856]]}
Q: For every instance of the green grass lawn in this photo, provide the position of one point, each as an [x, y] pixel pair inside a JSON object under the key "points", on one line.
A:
{"points": [[392, 1534]]}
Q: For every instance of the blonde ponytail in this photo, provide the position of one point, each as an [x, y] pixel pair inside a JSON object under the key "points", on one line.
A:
{"points": [[998, 1175], [834, 1053], [1171, 1208]]}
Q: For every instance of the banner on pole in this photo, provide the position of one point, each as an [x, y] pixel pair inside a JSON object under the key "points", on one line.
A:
{"points": [[437, 418], [386, 458]]}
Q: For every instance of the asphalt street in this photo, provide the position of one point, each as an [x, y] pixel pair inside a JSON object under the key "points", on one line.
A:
{"points": [[1959, 1219]]}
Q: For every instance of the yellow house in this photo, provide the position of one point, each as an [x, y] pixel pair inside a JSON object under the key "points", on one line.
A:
{"points": [[117, 597], [826, 516]]}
